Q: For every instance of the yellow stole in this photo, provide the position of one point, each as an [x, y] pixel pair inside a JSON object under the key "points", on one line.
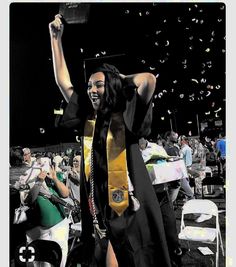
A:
{"points": [[116, 161]]}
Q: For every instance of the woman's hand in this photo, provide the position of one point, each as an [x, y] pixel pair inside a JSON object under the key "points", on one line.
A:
{"points": [[56, 27], [53, 174]]}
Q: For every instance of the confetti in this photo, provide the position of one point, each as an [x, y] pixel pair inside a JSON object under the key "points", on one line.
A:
{"points": [[194, 80], [208, 93], [103, 52], [181, 95], [219, 109], [81, 50], [208, 50], [217, 86]]}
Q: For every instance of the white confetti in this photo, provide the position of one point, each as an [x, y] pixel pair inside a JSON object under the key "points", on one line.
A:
{"points": [[194, 80]]}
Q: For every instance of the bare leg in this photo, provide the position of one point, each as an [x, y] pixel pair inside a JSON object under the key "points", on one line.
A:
{"points": [[111, 257]]}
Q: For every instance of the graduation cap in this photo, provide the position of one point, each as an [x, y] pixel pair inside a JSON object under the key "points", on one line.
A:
{"points": [[75, 13]]}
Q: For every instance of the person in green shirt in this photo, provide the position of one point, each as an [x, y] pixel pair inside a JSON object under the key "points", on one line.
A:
{"points": [[52, 223]]}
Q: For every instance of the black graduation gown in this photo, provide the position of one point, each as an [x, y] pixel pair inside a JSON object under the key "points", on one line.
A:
{"points": [[138, 238]]}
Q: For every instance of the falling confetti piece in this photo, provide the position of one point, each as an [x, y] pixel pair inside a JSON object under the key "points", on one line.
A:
{"points": [[97, 55], [201, 21], [191, 38], [41, 130], [147, 13], [219, 20], [160, 95], [219, 109], [194, 80], [155, 96], [181, 95], [162, 61], [175, 81], [223, 50], [179, 19], [208, 93], [103, 52], [208, 113], [156, 44], [185, 66], [152, 68], [217, 87], [81, 50], [143, 61], [167, 43], [164, 91], [127, 11], [140, 14], [222, 7], [211, 40], [208, 50], [191, 47], [169, 112], [203, 71], [201, 92], [157, 32], [162, 118], [157, 75], [213, 33], [164, 21]]}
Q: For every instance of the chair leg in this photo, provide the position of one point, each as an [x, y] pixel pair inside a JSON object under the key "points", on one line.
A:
{"points": [[221, 244], [217, 251]]}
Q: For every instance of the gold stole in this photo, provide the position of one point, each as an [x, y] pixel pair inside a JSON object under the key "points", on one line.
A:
{"points": [[116, 161]]}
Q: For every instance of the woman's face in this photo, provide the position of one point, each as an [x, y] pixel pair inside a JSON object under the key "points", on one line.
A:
{"points": [[96, 89]]}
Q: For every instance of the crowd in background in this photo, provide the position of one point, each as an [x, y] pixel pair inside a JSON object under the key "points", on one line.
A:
{"points": [[63, 173]]}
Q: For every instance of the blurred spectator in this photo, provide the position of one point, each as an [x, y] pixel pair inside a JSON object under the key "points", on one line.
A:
{"points": [[28, 159], [172, 149]]}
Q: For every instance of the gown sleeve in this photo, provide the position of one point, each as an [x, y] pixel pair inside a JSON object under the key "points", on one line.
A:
{"points": [[75, 112], [138, 116]]}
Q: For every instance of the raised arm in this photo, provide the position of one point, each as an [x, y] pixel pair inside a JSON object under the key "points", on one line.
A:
{"points": [[144, 82], [61, 73]]}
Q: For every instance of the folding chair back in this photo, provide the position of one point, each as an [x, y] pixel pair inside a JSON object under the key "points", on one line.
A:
{"points": [[200, 206]]}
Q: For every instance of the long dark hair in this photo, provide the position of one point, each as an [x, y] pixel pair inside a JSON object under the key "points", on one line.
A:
{"points": [[113, 99]]}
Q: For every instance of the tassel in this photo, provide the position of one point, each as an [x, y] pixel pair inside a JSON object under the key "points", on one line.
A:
{"points": [[135, 204], [100, 232]]}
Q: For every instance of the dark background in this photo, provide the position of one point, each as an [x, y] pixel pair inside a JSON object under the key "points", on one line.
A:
{"points": [[182, 42]]}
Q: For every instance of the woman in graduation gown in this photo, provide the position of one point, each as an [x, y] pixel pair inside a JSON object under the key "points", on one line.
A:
{"points": [[118, 204]]}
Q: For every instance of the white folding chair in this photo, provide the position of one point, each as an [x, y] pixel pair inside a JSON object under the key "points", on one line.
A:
{"points": [[202, 234]]}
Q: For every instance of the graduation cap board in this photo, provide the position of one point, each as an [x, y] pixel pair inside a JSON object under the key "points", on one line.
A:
{"points": [[75, 13]]}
